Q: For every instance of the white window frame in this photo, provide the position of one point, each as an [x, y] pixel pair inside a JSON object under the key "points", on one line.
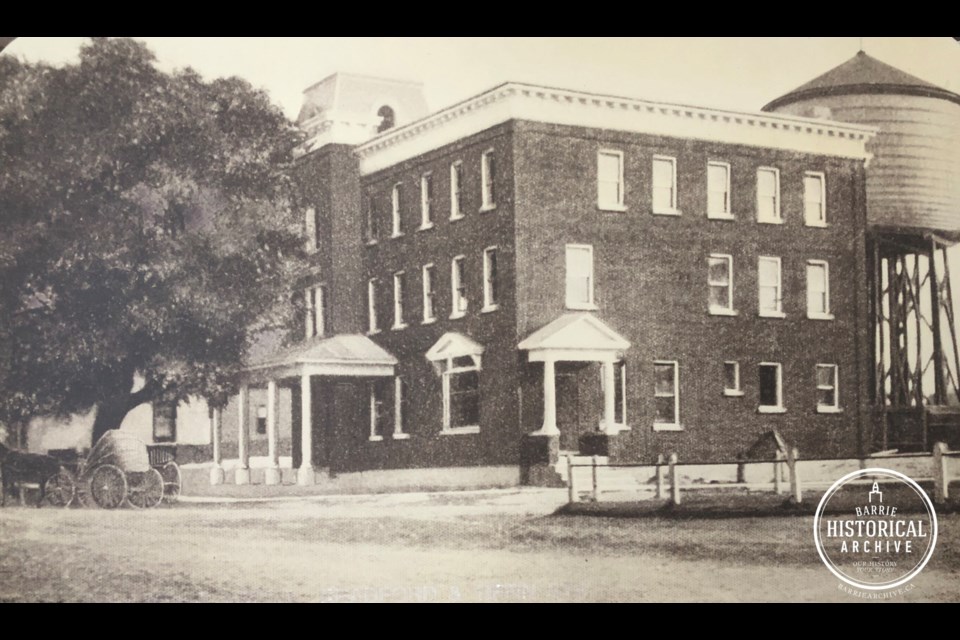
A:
{"points": [[727, 391], [835, 407], [764, 313], [487, 179], [371, 230], [395, 213], [374, 436], [320, 310], [448, 370], [309, 310], [727, 310], [373, 323], [310, 224], [779, 408], [676, 425], [827, 314], [619, 205], [428, 275], [575, 304], [455, 285], [398, 432], [622, 425], [488, 304], [778, 213], [399, 293], [822, 220], [728, 200], [426, 201], [456, 190], [672, 210]]}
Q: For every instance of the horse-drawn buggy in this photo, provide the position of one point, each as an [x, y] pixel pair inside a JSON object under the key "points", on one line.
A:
{"points": [[120, 469]]}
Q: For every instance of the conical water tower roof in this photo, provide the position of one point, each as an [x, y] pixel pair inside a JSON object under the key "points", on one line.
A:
{"points": [[863, 74]]}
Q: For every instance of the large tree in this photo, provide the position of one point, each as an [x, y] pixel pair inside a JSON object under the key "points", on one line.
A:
{"points": [[146, 229]]}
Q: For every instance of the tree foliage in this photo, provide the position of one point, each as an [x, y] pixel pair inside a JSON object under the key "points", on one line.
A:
{"points": [[146, 227]]}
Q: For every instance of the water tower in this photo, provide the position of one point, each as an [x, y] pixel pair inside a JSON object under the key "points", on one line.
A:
{"points": [[913, 217]]}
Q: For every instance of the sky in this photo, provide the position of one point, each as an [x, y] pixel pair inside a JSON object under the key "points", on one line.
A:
{"points": [[730, 73]]}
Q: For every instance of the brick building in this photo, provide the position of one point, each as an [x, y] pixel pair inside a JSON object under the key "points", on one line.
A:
{"points": [[537, 270]]}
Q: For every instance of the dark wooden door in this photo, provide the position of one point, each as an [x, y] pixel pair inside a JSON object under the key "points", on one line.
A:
{"points": [[568, 410]]}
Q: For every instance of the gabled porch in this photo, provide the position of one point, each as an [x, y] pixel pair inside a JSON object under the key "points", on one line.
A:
{"points": [[305, 369]]}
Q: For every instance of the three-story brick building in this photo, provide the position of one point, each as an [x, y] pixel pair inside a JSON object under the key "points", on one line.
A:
{"points": [[536, 270]]}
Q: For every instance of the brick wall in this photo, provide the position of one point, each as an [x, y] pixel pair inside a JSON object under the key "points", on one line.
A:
{"points": [[651, 285]]}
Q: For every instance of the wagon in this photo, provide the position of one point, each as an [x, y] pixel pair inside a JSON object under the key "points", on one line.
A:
{"points": [[163, 458], [118, 471]]}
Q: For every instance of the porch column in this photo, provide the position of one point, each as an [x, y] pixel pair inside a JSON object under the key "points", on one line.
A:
{"points": [[305, 475], [609, 399], [549, 427], [243, 440], [272, 475], [216, 425]]}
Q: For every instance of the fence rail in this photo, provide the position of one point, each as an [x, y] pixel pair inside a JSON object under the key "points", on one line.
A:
{"points": [[667, 474]]}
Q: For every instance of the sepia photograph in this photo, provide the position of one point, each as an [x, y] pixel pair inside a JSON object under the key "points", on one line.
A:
{"points": [[485, 320]]}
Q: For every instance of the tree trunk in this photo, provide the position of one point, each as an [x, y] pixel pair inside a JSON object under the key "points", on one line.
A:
{"points": [[110, 415], [111, 411]]}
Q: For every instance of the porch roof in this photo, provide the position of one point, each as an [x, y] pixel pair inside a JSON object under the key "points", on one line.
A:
{"points": [[340, 355], [575, 336]]}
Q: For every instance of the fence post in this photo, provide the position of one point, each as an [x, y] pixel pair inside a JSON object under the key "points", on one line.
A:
{"points": [[571, 492], [674, 481], [659, 476], [941, 482], [596, 492], [777, 469], [792, 455]]}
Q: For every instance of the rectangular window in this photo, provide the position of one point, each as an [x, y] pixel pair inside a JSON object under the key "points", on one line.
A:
{"points": [[731, 379], [665, 185], [718, 190], [309, 310], [666, 395], [458, 288], [395, 211], [610, 180], [310, 223], [426, 201], [491, 284], [814, 199], [429, 313], [320, 311], [770, 291], [379, 410], [371, 228], [398, 409], [461, 395], [768, 195], [619, 393], [164, 421], [261, 419], [720, 282], [579, 276], [827, 384], [488, 182], [771, 388], [373, 321], [456, 189], [399, 295], [818, 290]]}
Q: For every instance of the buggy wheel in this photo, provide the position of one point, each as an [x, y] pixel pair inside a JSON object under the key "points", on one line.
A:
{"points": [[171, 481], [148, 492], [108, 486], [60, 489]]}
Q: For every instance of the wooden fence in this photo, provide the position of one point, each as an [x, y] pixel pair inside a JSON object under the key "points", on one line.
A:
{"points": [[667, 477]]}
